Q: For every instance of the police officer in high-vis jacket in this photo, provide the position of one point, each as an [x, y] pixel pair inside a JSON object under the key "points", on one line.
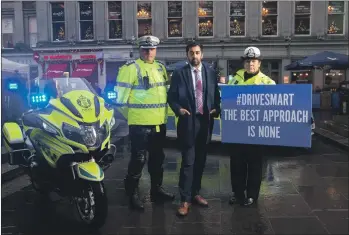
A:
{"points": [[246, 160], [250, 74], [142, 97]]}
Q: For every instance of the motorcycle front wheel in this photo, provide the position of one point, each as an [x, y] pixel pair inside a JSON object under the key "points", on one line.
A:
{"points": [[92, 205]]}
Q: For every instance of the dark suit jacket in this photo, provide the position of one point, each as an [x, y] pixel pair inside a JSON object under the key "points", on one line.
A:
{"points": [[181, 95]]}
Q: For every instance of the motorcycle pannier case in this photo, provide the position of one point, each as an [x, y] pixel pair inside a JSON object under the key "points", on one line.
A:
{"points": [[14, 143]]}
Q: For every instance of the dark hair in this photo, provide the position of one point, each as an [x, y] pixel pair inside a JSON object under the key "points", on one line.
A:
{"points": [[193, 44]]}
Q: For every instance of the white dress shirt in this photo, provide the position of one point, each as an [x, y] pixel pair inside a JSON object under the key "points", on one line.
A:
{"points": [[193, 76]]}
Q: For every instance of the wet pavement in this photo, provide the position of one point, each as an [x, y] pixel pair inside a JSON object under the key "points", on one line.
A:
{"points": [[303, 192]]}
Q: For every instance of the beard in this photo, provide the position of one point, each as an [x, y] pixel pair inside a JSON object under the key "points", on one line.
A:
{"points": [[195, 62]]}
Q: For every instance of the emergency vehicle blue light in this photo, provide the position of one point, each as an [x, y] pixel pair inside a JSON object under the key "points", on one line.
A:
{"points": [[111, 95], [38, 99], [13, 86]]}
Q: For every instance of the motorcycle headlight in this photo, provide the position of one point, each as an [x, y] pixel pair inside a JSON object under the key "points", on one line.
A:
{"points": [[73, 133], [90, 135], [49, 128], [86, 135]]}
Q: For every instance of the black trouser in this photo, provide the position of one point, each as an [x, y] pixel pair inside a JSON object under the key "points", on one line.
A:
{"points": [[146, 139], [193, 161], [246, 166]]}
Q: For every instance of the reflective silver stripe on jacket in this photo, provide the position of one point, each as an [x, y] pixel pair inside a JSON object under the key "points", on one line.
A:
{"points": [[139, 75], [139, 87]]}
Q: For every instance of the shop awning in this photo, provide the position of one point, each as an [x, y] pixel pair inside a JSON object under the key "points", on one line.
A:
{"points": [[322, 59], [55, 70], [84, 70]]}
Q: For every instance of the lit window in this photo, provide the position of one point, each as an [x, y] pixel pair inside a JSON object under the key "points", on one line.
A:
{"points": [[335, 18], [58, 21], [175, 27], [144, 18], [205, 13], [115, 20], [303, 76], [237, 18], [269, 18], [86, 21], [302, 18]]}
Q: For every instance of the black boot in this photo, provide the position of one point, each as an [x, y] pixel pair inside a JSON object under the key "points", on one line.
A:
{"points": [[237, 199], [136, 202], [249, 202], [127, 187], [158, 194], [131, 188]]}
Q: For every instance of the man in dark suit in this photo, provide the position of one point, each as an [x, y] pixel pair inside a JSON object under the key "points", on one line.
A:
{"points": [[195, 98]]}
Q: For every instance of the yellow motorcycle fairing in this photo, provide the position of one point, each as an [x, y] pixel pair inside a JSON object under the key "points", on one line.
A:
{"points": [[14, 142], [45, 126], [13, 133], [90, 171], [49, 147], [90, 108], [85, 103], [57, 119]]}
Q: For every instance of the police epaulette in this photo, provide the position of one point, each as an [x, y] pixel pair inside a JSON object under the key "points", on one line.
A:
{"points": [[161, 62], [129, 62]]}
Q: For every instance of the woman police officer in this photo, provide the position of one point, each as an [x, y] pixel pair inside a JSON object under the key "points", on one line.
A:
{"points": [[246, 160]]}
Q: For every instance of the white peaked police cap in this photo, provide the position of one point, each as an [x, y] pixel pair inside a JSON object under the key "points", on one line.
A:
{"points": [[252, 53], [148, 42]]}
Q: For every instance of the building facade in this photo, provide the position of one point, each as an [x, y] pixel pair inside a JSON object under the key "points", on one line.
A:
{"points": [[94, 38]]}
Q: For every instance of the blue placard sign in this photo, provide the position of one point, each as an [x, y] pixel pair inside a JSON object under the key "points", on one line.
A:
{"points": [[277, 115]]}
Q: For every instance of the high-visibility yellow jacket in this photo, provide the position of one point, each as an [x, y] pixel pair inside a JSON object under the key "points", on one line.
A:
{"points": [[258, 79], [141, 92]]}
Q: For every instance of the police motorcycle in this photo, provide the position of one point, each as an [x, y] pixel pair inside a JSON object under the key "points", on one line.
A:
{"points": [[64, 144]]}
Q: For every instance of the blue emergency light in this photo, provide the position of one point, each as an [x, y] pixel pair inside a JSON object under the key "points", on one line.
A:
{"points": [[38, 98], [13, 86], [111, 95]]}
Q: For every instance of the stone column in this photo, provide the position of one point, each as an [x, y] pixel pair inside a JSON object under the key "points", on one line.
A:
{"points": [[42, 17], [189, 17], [129, 20], [159, 19], [220, 22], [253, 17], [100, 19], [72, 20], [18, 23], [223, 64]]}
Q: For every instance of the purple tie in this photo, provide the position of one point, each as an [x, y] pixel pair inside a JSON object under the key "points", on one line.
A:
{"points": [[198, 92]]}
